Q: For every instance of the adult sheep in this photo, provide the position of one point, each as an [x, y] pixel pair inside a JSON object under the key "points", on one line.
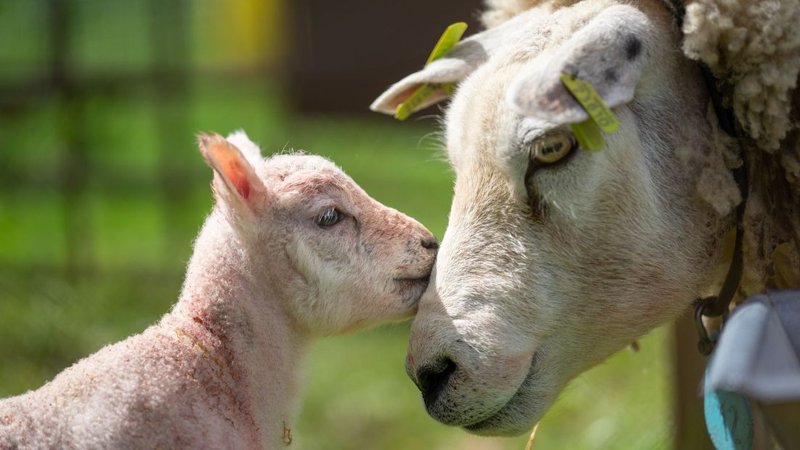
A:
{"points": [[554, 257]]}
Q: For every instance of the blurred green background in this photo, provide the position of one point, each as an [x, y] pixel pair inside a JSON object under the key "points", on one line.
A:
{"points": [[103, 191]]}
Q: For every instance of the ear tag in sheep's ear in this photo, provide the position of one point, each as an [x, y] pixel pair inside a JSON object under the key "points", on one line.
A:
{"points": [[405, 109], [589, 133], [448, 40]]}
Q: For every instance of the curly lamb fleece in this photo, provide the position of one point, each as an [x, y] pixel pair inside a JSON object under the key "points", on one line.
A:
{"points": [[753, 50]]}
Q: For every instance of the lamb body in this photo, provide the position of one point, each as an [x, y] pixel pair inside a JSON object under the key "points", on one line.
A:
{"points": [[292, 250]]}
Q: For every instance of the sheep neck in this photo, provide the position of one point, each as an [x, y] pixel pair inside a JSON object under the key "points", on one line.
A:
{"points": [[241, 324]]}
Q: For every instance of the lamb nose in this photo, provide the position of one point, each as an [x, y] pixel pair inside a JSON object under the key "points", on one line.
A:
{"points": [[429, 243], [433, 378]]}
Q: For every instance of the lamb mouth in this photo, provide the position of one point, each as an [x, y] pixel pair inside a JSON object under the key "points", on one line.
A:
{"points": [[412, 288]]}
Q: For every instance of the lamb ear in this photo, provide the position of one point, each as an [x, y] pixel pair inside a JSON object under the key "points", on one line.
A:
{"points": [[610, 53], [235, 180]]}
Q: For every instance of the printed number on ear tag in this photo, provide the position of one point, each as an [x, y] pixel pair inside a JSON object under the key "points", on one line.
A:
{"points": [[447, 41], [589, 133]]}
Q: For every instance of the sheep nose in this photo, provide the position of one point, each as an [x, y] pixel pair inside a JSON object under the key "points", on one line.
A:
{"points": [[429, 242], [432, 379]]}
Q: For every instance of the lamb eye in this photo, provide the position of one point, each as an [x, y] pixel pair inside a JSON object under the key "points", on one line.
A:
{"points": [[329, 217], [552, 148]]}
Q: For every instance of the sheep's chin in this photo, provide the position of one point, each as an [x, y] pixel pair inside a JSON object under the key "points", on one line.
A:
{"points": [[522, 411]]}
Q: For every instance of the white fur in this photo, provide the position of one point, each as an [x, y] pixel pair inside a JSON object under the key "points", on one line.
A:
{"points": [[539, 279], [223, 369]]}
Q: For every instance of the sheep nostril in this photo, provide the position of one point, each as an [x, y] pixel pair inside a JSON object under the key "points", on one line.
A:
{"points": [[429, 243], [433, 379]]}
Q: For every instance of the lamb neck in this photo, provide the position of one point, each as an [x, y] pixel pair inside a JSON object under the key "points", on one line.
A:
{"points": [[225, 311]]}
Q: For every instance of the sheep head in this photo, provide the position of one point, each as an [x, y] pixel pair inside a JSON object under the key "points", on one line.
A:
{"points": [[551, 264]]}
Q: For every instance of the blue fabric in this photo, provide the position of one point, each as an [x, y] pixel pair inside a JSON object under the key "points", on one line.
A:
{"points": [[729, 420], [757, 353]]}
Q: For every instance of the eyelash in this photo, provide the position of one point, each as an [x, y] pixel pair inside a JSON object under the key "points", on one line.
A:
{"points": [[329, 218]]}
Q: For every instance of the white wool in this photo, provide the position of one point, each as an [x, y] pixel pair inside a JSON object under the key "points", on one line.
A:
{"points": [[499, 11], [753, 49]]}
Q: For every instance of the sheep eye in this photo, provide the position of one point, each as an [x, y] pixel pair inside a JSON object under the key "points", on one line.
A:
{"points": [[552, 148], [329, 217]]}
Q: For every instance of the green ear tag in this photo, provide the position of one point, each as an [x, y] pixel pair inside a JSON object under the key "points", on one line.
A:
{"points": [[588, 133], [413, 101], [448, 40]]}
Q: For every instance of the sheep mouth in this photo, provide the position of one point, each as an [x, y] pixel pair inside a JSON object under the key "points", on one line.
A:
{"points": [[505, 421]]}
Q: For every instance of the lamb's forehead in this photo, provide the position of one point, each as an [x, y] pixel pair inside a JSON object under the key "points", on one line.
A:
{"points": [[299, 167]]}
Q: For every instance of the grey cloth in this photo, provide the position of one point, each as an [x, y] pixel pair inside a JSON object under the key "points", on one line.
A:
{"points": [[758, 353]]}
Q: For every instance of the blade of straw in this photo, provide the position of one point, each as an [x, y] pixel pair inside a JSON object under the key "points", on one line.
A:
{"points": [[533, 436]]}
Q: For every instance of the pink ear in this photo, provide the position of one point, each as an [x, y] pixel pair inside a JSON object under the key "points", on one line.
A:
{"points": [[234, 169]]}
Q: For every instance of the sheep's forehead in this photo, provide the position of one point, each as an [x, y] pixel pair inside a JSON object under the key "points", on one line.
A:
{"points": [[482, 131], [478, 121], [483, 134], [481, 127]]}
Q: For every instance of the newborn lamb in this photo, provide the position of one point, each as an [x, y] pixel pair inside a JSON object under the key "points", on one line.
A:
{"points": [[292, 250]]}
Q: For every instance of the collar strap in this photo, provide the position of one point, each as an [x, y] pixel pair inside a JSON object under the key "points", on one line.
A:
{"points": [[719, 306]]}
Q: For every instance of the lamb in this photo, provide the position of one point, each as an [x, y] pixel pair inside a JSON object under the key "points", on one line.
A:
{"points": [[292, 250], [551, 263]]}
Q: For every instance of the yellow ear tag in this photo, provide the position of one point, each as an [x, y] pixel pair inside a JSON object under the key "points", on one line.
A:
{"points": [[448, 40], [589, 133]]}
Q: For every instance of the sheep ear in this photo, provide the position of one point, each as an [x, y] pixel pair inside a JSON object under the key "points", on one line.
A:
{"points": [[235, 180], [456, 65], [610, 53]]}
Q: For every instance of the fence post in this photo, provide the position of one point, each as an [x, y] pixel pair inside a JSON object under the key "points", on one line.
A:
{"points": [[72, 179], [689, 366]]}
